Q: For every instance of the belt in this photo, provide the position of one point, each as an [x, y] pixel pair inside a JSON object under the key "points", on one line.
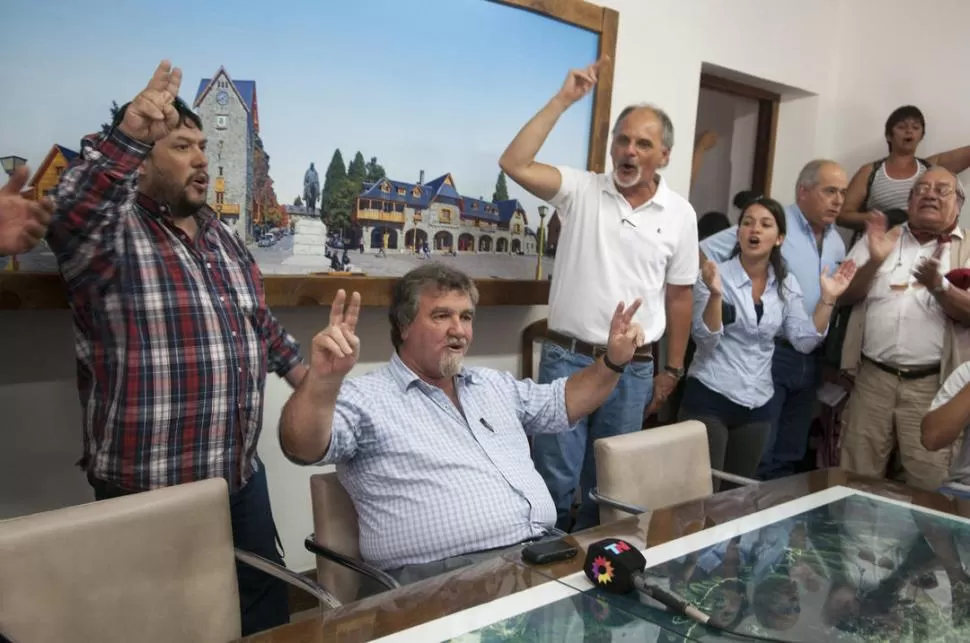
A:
{"points": [[643, 354], [906, 373]]}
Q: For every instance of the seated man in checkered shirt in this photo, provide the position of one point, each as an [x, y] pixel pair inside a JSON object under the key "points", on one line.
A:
{"points": [[434, 454]]}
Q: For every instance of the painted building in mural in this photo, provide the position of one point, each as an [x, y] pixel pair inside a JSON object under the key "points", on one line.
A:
{"points": [[48, 173], [240, 189], [401, 215]]}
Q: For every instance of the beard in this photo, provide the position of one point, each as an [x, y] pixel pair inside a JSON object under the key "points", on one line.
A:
{"points": [[629, 183], [450, 364], [179, 196]]}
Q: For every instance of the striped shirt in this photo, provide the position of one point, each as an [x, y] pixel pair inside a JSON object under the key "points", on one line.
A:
{"points": [[888, 193], [430, 481], [173, 336]]}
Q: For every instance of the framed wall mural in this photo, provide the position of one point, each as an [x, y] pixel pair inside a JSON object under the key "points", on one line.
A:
{"points": [[347, 142]]}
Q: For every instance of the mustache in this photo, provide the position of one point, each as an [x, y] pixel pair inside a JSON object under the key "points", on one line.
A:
{"points": [[199, 175], [457, 343]]}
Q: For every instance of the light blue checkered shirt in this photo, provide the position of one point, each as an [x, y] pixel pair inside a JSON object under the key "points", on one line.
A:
{"points": [[429, 483]]}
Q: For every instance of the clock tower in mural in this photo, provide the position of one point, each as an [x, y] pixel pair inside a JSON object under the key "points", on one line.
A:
{"points": [[230, 119]]}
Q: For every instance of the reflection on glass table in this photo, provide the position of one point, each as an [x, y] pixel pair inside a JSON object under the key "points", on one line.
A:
{"points": [[838, 565]]}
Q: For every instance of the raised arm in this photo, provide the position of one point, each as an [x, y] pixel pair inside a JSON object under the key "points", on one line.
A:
{"points": [[707, 327], [85, 232], [519, 159], [954, 301], [869, 253], [956, 160], [307, 420], [805, 333], [853, 214]]}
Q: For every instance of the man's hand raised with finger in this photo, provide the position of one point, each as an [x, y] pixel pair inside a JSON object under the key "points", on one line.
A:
{"points": [[151, 116], [335, 349]]}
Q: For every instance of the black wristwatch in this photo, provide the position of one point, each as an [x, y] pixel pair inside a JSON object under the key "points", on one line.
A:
{"points": [[676, 372], [613, 367]]}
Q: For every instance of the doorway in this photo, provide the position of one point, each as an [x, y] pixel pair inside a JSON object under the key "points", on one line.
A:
{"points": [[744, 119]]}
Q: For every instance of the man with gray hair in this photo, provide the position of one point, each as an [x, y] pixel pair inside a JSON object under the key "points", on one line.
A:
{"points": [[435, 454], [625, 234], [908, 331], [811, 246]]}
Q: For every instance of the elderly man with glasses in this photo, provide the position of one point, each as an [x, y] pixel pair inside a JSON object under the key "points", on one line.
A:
{"points": [[906, 329]]}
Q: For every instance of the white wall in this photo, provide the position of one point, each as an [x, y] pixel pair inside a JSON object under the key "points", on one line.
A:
{"points": [[662, 45]]}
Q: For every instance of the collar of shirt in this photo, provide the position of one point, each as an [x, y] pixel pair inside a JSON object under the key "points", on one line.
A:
{"points": [[733, 272], [806, 227], [956, 232], [660, 198], [405, 377], [205, 216]]}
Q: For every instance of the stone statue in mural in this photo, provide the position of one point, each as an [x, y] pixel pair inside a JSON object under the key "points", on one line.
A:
{"points": [[311, 189]]}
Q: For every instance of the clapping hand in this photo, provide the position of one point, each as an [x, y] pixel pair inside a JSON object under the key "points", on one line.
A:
{"points": [[580, 81], [23, 222], [711, 277], [151, 116], [832, 286], [335, 349], [927, 272], [881, 240]]}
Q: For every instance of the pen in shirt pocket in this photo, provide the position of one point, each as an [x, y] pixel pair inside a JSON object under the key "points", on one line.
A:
{"points": [[486, 424]]}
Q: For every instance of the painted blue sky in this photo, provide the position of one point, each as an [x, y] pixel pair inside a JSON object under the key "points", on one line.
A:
{"points": [[438, 85]]}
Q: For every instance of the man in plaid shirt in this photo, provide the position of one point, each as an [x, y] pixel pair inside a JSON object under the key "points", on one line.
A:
{"points": [[173, 335]]}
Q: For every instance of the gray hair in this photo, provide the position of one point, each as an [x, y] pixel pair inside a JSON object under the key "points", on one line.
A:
{"points": [[666, 124], [808, 177], [961, 193], [407, 292]]}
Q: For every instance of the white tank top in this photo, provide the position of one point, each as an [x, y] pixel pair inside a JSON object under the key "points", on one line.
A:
{"points": [[888, 193]]}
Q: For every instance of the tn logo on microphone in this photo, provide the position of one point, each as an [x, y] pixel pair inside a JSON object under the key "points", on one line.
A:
{"points": [[617, 548]]}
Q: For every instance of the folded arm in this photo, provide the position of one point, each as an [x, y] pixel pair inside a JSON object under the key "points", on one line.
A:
{"points": [[949, 413]]}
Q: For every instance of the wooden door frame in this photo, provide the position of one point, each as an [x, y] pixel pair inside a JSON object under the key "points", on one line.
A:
{"points": [[764, 147]]}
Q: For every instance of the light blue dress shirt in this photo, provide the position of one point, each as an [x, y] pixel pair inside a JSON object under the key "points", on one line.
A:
{"points": [[799, 250], [429, 481], [736, 360]]}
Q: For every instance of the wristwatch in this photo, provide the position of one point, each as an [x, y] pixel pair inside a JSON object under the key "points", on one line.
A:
{"points": [[618, 368], [676, 372]]}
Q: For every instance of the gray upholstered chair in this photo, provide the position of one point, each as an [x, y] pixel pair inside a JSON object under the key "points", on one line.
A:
{"points": [[654, 468], [154, 566]]}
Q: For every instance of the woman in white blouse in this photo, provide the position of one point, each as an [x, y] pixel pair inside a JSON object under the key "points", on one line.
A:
{"points": [[739, 307]]}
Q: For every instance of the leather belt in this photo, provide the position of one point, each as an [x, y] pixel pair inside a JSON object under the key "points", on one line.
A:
{"points": [[643, 354], [906, 373]]}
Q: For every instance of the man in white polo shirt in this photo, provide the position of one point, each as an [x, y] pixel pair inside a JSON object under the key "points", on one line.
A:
{"points": [[625, 235]]}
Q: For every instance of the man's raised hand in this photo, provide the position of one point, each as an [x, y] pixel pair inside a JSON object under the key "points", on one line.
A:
{"points": [[335, 349], [151, 115], [626, 336], [23, 222], [580, 81]]}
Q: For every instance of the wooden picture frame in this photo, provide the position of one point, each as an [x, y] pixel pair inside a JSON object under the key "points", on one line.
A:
{"points": [[35, 290]]}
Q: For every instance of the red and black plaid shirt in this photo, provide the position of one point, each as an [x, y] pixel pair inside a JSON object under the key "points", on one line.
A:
{"points": [[173, 336]]}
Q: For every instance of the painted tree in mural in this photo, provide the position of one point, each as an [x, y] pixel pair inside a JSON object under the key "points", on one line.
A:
{"points": [[266, 206], [501, 189], [374, 171], [335, 175]]}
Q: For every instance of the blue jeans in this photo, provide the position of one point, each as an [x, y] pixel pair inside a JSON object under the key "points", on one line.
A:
{"points": [[796, 378], [566, 459]]}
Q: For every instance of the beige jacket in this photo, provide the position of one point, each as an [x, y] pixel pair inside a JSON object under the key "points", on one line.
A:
{"points": [[956, 339]]}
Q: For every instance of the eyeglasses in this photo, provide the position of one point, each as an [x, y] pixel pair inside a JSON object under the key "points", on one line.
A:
{"points": [[941, 190]]}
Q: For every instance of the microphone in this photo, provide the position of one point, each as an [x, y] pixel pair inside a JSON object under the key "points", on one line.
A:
{"points": [[617, 566]]}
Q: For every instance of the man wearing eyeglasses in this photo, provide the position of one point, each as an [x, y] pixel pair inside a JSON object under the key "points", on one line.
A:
{"points": [[906, 328]]}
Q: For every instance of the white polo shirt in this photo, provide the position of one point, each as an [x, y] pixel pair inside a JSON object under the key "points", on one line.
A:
{"points": [[608, 252]]}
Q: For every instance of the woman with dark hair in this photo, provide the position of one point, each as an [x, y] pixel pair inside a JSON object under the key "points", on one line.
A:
{"points": [[884, 185], [739, 307]]}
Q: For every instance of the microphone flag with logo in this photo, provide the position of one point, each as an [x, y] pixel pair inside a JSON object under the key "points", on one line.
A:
{"points": [[611, 563]]}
